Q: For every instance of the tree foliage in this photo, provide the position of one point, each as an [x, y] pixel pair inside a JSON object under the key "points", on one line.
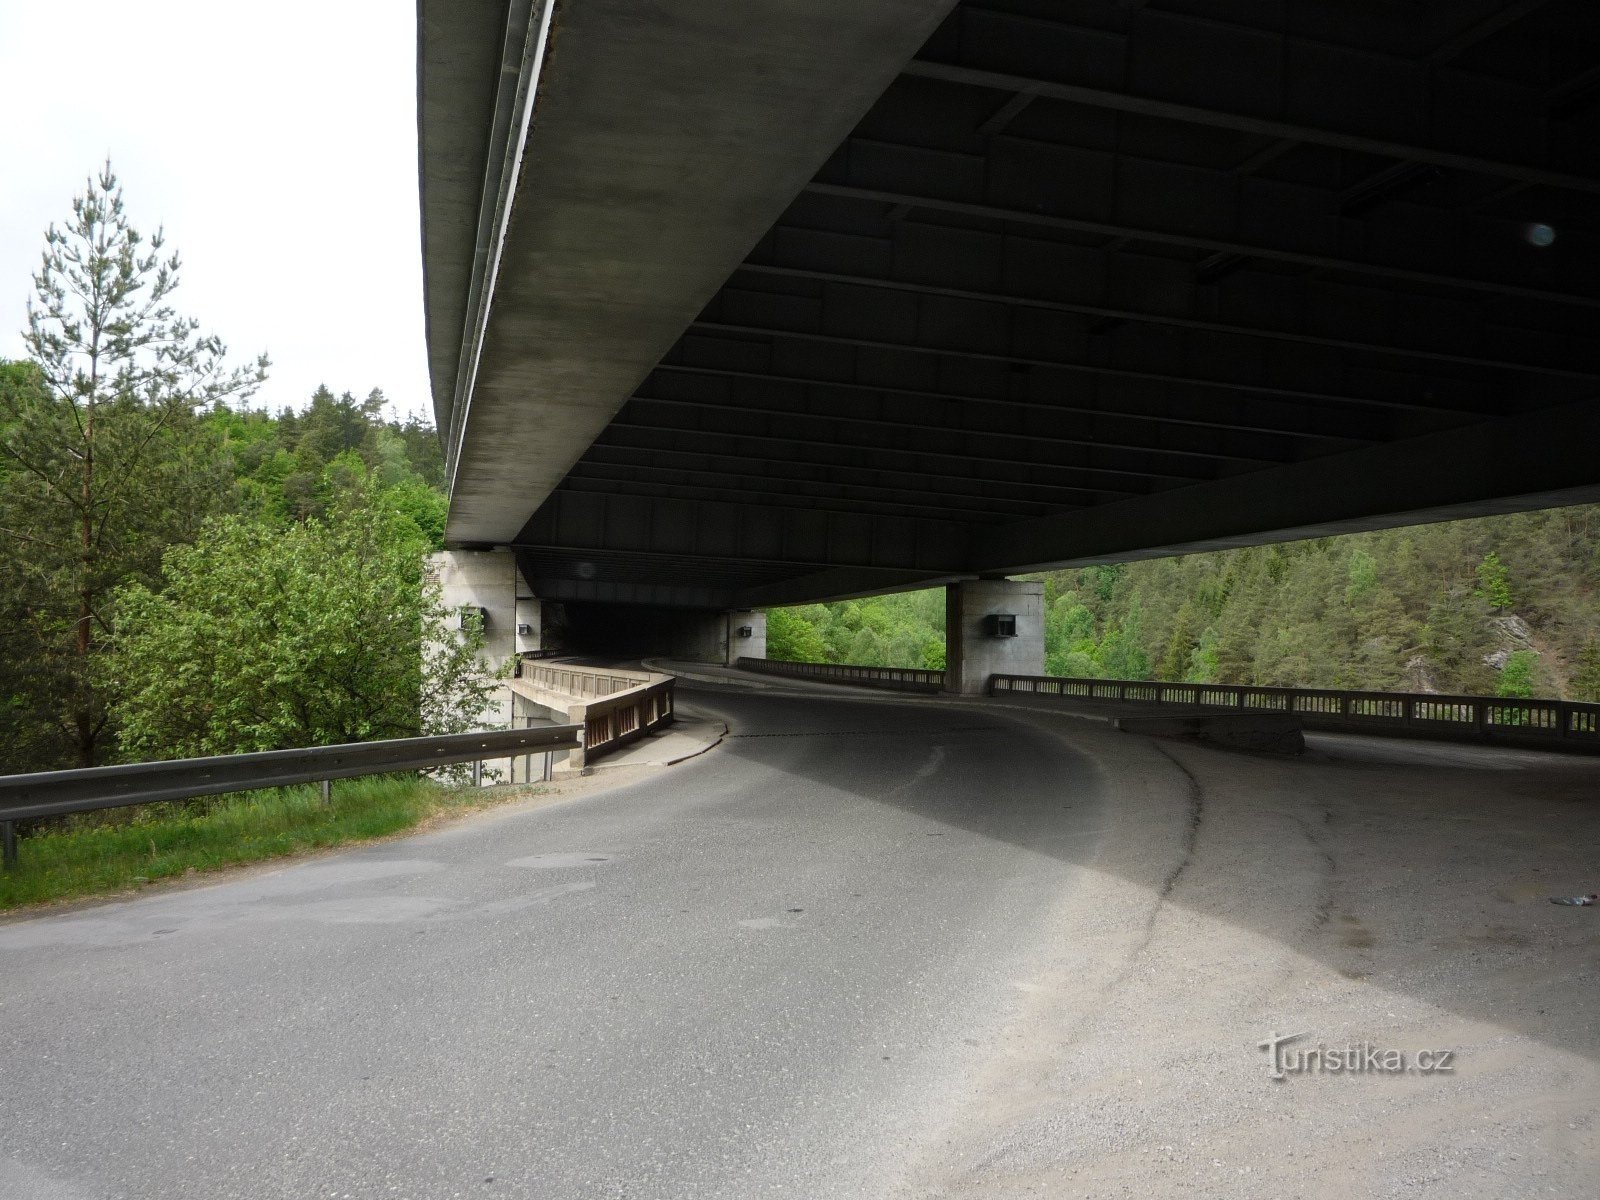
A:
{"points": [[1494, 582], [295, 465], [262, 638], [106, 462], [1423, 608], [1516, 677]]}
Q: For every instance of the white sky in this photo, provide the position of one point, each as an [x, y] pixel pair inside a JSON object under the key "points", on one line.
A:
{"points": [[275, 142]]}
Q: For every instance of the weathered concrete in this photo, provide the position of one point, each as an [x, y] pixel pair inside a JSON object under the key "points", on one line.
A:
{"points": [[667, 139], [972, 653], [488, 581], [485, 580], [742, 646]]}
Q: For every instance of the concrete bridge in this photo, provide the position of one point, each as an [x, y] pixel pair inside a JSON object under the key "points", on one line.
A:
{"points": [[733, 305]]}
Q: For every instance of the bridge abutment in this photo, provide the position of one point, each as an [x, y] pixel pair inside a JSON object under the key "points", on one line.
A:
{"points": [[992, 627]]}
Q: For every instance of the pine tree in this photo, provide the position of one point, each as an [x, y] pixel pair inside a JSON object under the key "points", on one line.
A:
{"points": [[1586, 679], [1494, 582], [1516, 677], [107, 463]]}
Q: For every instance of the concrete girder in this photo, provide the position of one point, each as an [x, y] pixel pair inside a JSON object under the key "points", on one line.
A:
{"points": [[1216, 211], [1282, 424], [1535, 460], [589, 591], [804, 539], [1277, 87], [957, 491], [756, 447], [726, 487], [1013, 271], [609, 252], [1038, 424], [460, 49], [1021, 448], [1246, 381]]}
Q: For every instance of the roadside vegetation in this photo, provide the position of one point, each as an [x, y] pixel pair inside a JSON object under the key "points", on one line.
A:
{"points": [[116, 851], [1496, 605], [186, 574]]}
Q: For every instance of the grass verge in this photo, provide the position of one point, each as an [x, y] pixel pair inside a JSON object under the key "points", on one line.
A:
{"points": [[97, 854]]}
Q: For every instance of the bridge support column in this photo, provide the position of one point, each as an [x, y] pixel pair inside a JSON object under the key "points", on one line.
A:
{"points": [[747, 635], [720, 637], [992, 627], [487, 584]]}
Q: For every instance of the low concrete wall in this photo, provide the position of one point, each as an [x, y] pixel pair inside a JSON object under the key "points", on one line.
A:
{"points": [[615, 707]]}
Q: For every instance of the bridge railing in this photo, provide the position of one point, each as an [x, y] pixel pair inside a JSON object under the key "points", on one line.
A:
{"points": [[1571, 724], [622, 717], [903, 679], [578, 681], [89, 789], [615, 707]]}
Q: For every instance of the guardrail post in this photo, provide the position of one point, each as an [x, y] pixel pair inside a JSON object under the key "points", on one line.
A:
{"points": [[327, 792], [8, 845], [477, 772]]}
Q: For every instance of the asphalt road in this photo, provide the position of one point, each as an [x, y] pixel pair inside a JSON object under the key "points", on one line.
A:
{"points": [[770, 971]]}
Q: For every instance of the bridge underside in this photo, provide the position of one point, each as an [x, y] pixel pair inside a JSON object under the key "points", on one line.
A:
{"points": [[797, 301]]}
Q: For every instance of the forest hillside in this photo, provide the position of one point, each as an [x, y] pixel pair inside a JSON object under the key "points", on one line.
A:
{"points": [[1495, 605]]}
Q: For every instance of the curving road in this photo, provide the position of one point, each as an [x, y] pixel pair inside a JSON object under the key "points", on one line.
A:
{"points": [[770, 971]]}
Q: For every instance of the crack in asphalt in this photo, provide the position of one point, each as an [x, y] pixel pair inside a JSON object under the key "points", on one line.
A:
{"points": [[1191, 833]]}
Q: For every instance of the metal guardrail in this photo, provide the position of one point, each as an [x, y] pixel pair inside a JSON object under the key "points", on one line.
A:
{"points": [[88, 789], [903, 679], [1563, 724]]}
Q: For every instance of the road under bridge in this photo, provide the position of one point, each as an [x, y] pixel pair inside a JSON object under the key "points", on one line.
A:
{"points": [[889, 948]]}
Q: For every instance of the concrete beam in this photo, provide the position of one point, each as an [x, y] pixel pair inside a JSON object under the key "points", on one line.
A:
{"points": [[667, 139], [1007, 270], [459, 55], [1277, 86], [1536, 460], [800, 538]]}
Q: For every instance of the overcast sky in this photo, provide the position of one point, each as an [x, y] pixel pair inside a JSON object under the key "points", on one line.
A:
{"points": [[275, 142]]}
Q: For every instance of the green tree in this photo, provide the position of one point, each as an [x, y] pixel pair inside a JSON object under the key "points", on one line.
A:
{"points": [[264, 639], [1494, 582], [107, 464], [1069, 638], [1586, 678], [1362, 574], [867, 649], [793, 638], [904, 649], [1456, 639], [1180, 646], [1121, 653], [1516, 677]]}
